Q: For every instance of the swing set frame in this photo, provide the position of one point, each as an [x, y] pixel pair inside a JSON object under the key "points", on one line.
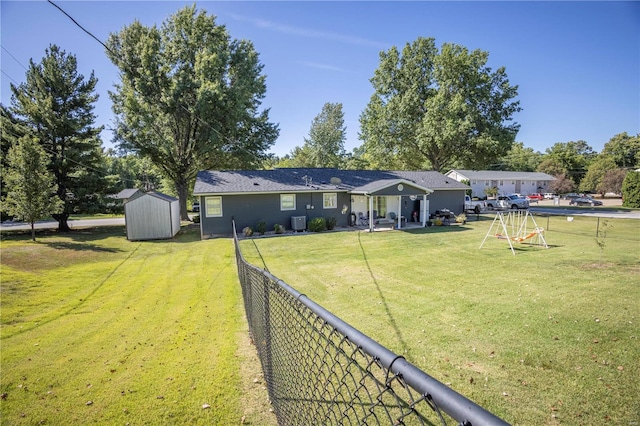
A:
{"points": [[516, 226]]}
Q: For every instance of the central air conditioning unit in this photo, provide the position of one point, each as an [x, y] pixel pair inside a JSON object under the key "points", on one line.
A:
{"points": [[298, 223]]}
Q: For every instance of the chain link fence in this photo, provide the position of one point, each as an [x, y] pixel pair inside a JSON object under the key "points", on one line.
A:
{"points": [[321, 371]]}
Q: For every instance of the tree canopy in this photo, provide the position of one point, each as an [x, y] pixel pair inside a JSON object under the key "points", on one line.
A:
{"points": [[574, 157], [438, 109], [189, 97], [325, 145], [31, 188], [55, 105], [624, 149]]}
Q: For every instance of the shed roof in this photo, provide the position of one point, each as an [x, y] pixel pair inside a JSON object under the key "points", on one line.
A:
{"points": [[310, 179], [126, 193], [159, 195]]}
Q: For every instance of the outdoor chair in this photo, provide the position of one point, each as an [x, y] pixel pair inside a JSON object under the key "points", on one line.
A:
{"points": [[362, 219]]}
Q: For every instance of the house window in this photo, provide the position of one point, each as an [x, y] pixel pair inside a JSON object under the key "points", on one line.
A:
{"points": [[501, 183], [213, 206], [330, 200], [473, 182], [287, 201], [486, 183]]}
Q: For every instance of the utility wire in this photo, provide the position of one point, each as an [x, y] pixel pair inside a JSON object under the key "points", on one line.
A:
{"points": [[14, 58], [230, 142]]}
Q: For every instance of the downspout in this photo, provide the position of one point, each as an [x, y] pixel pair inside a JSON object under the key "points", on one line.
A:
{"points": [[424, 210]]}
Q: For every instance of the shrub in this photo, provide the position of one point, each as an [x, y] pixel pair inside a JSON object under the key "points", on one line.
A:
{"points": [[261, 227], [461, 218], [331, 222], [631, 190], [247, 231], [196, 219], [317, 224], [278, 229], [437, 221]]}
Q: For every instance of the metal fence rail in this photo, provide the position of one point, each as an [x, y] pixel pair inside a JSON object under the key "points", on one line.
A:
{"points": [[321, 371]]}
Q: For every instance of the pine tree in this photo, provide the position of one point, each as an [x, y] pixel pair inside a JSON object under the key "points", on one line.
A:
{"points": [[56, 104]]}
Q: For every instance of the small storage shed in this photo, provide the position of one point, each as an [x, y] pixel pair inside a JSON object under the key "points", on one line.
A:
{"points": [[151, 216]]}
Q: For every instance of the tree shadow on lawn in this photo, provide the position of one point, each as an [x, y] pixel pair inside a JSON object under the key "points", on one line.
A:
{"points": [[436, 229]]}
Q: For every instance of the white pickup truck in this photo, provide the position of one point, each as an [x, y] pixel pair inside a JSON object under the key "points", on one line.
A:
{"points": [[513, 201], [474, 206]]}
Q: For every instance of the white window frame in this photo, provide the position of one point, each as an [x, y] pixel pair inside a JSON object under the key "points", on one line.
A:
{"points": [[329, 200], [210, 209], [284, 199]]}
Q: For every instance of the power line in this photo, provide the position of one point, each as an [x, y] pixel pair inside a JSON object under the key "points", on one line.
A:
{"points": [[229, 142], [14, 58]]}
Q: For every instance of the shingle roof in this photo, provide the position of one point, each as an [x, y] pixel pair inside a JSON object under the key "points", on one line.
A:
{"points": [[503, 175], [300, 180]]}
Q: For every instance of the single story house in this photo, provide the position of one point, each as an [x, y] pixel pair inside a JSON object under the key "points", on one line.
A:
{"points": [[151, 216], [291, 197], [524, 183]]}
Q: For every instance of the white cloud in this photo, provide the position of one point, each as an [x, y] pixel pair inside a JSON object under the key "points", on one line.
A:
{"points": [[310, 33], [323, 66]]}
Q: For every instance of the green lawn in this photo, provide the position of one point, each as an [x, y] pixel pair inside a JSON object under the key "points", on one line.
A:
{"points": [[98, 329], [548, 336]]}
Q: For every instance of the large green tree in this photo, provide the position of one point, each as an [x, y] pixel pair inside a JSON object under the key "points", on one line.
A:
{"points": [[31, 187], [438, 109], [520, 159], [593, 180], [624, 149], [574, 157], [55, 104], [325, 144], [189, 98]]}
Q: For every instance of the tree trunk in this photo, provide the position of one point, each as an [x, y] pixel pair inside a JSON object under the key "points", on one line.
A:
{"points": [[63, 226], [181, 187], [33, 231]]}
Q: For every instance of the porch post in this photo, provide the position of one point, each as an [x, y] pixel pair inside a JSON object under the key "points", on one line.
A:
{"points": [[399, 211], [370, 213]]}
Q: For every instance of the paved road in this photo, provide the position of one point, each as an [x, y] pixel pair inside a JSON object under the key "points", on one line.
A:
{"points": [[73, 224]]}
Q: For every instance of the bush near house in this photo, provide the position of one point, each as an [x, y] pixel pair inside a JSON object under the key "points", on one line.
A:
{"points": [[317, 224], [331, 223]]}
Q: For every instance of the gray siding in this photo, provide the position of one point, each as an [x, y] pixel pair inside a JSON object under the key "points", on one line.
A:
{"points": [[248, 209], [451, 199]]}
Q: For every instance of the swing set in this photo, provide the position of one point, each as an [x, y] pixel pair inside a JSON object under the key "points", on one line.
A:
{"points": [[516, 226]]}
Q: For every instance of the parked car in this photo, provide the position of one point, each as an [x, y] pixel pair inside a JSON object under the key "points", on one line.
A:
{"points": [[585, 201], [549, 195], [195, 207], [571, 196], [535, 197]]}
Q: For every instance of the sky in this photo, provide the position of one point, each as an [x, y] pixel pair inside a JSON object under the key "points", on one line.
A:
{"points": [[577, 64]]}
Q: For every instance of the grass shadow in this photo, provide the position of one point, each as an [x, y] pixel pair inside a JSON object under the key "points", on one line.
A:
{"points": [[392, 321]]}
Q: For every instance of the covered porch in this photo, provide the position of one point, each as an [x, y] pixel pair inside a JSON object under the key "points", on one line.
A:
{"points": [[392, 203]]}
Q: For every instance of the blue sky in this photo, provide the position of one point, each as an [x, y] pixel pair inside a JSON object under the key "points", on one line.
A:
{"points": [[577, 64]]}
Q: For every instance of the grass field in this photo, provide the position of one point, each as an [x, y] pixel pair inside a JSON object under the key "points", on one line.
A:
{"points": [[97, 329], [548, 336]]}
